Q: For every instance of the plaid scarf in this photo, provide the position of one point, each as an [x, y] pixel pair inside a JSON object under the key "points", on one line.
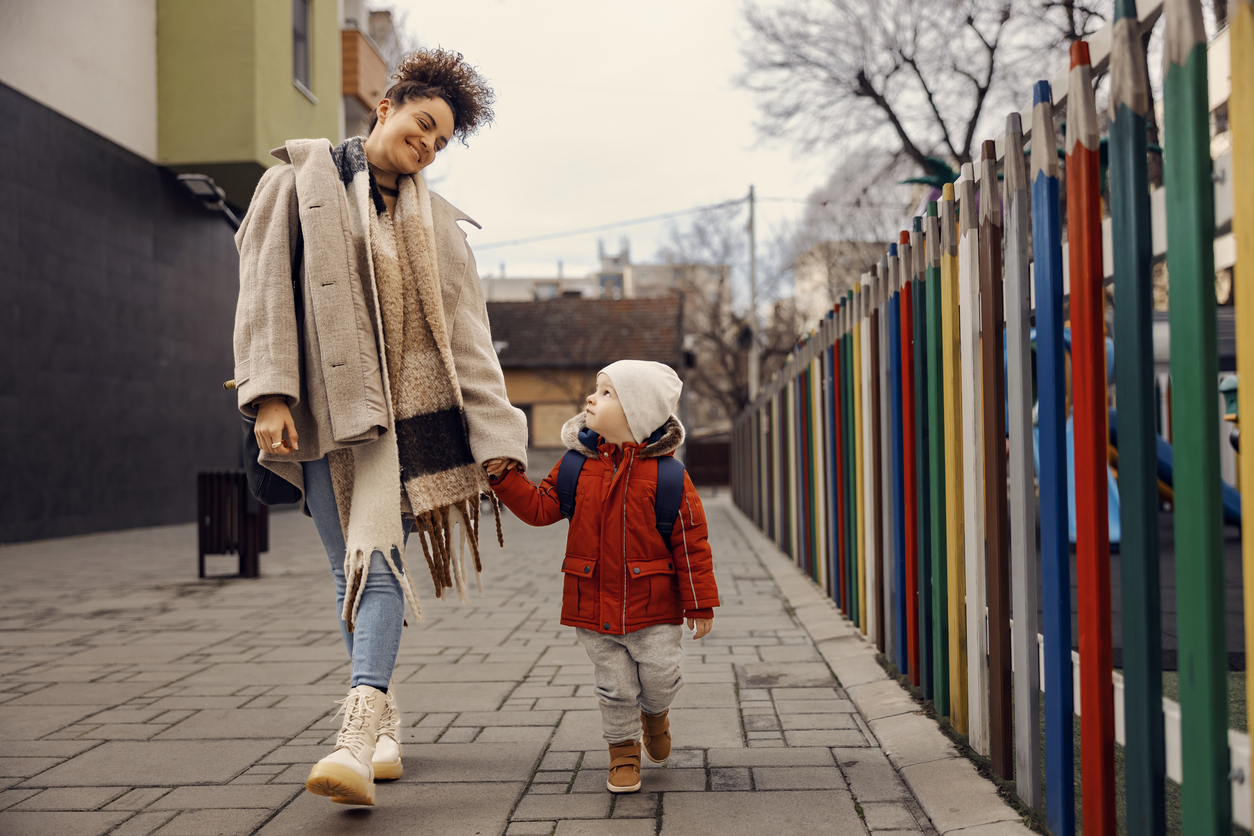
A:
{"points": [[423, 467]]}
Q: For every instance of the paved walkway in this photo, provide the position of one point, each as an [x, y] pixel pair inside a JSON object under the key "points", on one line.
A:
{"points": [[136, 700]]}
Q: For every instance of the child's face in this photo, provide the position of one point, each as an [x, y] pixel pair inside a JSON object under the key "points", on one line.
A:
{"points": [[605, 414]]}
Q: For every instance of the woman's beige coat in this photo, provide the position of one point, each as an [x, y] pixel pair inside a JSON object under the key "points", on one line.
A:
{"points": [[338, 401]]}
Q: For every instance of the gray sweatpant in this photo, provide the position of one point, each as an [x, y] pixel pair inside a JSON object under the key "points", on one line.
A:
{"points": [[636, 672]]}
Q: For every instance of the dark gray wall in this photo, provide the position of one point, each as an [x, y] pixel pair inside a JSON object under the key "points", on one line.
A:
{"points": [[117, 298]]}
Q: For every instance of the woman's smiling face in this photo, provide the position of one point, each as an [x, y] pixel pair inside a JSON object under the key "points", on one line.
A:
{"points": [[407, 138]]}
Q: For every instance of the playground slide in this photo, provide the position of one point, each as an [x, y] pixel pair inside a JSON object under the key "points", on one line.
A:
{"points": [[1166, 469], [1231, 496], [1112, 486]]}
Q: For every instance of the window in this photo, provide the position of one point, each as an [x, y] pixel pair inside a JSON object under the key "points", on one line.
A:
{"points": [[300, 43]]}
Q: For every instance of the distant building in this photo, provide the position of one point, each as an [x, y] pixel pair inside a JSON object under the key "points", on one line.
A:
{"points": [[538, 290], [552, 350], [121, 287]]}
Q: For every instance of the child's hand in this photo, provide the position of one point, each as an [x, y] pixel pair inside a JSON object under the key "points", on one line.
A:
{"points": [[498, 467], [702, 625]]}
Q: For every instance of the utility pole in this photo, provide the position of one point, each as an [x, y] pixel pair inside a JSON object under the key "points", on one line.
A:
{"points": [[754, 361]]}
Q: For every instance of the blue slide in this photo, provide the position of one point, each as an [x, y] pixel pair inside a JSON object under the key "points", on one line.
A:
{"points": [[1166, 470], [1112, 486], [1231, 496]]}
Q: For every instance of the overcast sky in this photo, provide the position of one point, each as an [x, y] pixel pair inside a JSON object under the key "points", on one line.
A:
{"points": [[606, 111]]}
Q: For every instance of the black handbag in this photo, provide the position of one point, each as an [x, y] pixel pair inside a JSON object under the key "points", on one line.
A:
{"points": [[267, 486]]}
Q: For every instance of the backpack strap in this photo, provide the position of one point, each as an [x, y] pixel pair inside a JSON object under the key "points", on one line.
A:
{"points": [[670, 494], [568, 480]]}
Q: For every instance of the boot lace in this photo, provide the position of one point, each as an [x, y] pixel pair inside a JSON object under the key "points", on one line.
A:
{"points": [[356, 708], [389, 719]]}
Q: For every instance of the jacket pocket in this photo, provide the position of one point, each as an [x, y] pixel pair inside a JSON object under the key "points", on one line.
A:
{"points": [[658, 578], [579, 589]]}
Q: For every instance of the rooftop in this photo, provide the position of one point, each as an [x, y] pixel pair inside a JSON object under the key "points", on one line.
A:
{"points": [[582, 333]]}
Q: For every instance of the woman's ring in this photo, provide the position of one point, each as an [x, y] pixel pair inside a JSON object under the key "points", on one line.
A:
{"points": [[276, 445]]}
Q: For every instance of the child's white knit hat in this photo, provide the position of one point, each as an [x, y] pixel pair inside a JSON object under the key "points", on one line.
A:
{"points": [[648, 392]]}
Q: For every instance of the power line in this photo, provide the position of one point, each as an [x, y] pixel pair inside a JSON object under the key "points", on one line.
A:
{"points": [[606, 227]]}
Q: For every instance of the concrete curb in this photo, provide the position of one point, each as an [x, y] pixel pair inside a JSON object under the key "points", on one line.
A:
{"points": [[946, 785]]}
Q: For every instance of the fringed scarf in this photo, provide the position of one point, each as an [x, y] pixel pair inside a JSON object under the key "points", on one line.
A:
{"points": [[423, 466]]}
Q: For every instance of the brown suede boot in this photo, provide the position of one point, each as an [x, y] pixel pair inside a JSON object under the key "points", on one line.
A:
{"points": [[657, 735], [624, 767]]}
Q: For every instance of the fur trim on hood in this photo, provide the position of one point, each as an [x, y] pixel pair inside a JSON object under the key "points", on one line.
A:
{"points": [[666, 439]]}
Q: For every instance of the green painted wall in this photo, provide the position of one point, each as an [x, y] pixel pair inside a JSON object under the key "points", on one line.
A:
{"points": [[225, 94]]}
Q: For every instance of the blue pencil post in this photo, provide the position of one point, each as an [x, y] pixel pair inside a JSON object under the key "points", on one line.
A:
{"points": [[1052, 422], [899, 500]]}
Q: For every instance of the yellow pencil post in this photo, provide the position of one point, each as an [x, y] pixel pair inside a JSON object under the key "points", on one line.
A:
{"points": [[954, 542], [1241, 124]]}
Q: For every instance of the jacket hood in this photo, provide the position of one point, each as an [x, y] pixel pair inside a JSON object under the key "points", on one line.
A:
{"points": [[284, 154], [666, 439]]}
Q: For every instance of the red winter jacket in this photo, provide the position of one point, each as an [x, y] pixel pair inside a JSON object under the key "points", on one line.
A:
{"points": [[620, 577]]}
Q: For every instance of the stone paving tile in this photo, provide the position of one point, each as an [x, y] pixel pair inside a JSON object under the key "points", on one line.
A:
{"points": [[59, 823], [215, 823], [547, 807], [228, 690], [625, 827], [888, 816], [228, 797], [76, 798], [156, 763], [798, 778], [747, 813]]}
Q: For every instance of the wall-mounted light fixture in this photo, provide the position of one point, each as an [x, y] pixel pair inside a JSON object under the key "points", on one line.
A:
{"points": [[210, 194]]}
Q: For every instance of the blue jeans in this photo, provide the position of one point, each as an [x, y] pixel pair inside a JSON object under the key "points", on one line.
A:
{"points": [[374, 642]]}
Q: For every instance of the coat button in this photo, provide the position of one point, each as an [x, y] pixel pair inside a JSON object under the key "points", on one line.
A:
{"points": [[587, 569], [636, 570], [606, 625], [670, 565]]}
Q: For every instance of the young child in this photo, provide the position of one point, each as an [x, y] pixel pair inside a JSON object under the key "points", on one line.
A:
{"points": [[626, 592]]}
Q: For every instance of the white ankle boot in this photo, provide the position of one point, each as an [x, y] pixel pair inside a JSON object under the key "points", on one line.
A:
{"points": [[387, 751], [346, 775]]}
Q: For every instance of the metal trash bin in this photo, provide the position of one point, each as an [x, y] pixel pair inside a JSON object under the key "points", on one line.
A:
{"points": [[231, 521]]}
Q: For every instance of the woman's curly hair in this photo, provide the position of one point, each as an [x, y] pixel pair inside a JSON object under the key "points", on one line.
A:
{"points": [[442, 73]]}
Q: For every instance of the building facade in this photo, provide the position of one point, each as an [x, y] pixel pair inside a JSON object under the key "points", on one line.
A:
{"points": [[119, 288], [551, 351]]}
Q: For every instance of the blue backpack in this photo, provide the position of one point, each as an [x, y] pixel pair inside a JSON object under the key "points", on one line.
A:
{"points": [[670, 483]]}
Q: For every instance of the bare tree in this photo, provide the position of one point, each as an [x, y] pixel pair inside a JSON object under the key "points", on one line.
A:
{"points": [[710, 252], [919, 74]]}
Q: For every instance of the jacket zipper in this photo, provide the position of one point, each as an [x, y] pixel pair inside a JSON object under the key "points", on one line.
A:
{"points": [[628, 460]]}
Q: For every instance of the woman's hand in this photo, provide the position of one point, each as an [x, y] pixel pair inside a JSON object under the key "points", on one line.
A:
{"points": [[498, 467], [702, 625], [274, 420]]}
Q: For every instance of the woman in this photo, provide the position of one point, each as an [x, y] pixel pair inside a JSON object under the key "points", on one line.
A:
{"points": [[376, 391]]}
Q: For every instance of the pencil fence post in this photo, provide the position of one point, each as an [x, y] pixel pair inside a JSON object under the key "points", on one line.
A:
{"points": [[909, 441], [902, 250], [927, 655], [1241, 120], [1088, 365], [936, 466], [1205, 797], [996, 511], [974, 566], [1051, 424], [883, 508], [950, 369], [1025, 570], [1144, 747]]}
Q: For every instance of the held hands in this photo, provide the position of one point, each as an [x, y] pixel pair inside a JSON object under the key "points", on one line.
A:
{"points": [[274, 420], [499, 467], [702, 625]]}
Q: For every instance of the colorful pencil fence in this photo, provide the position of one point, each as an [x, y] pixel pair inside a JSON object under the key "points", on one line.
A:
{"points": [[897, 455]]}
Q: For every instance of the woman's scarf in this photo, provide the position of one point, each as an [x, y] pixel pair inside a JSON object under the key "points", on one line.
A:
{"points": [[423, 465]]}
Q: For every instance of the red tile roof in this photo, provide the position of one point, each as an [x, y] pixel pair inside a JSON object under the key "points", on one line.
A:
{"points": [[587, 333]]}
